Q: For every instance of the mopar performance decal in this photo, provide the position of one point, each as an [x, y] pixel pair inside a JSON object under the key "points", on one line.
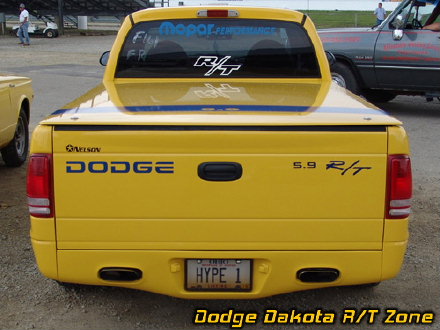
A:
{"points": [[119, 167], [188, 30], [217, 64], [168, 28]]}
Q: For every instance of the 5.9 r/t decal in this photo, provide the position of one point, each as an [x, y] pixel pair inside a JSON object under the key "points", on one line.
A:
{"points": [[342, 166], [217, 64]]}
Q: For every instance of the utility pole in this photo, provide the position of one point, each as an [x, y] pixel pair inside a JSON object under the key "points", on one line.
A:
{"points": [[61, 17]]}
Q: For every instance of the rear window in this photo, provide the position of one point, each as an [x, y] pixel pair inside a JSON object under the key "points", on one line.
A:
{"points": [[218, 48]]}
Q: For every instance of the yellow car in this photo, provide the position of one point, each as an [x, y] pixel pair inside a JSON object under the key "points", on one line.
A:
{"points": [[217, 160], [16, 95]]}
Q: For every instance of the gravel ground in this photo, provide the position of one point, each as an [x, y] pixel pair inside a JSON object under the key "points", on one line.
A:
{"points": [[63, 69]]}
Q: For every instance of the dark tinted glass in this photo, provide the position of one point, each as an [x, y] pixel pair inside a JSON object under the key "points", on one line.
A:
{"points": [[216, 48]]}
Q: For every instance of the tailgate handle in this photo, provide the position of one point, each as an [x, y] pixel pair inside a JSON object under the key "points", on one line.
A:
{"points": [[220, 171]]}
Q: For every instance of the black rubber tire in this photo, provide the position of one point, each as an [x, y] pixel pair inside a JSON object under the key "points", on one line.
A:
{"points": [[49, 33], [376, 96], [346, 77], [15, 153]]}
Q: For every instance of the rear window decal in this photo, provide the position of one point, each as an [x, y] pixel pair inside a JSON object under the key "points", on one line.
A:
{"points": [[212, 92], [225, 48], [168, 28], [188, 30], [216, 63]]}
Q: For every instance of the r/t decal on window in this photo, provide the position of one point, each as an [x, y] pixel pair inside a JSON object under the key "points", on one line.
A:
{"points": [[212, 92], [217, 64]]}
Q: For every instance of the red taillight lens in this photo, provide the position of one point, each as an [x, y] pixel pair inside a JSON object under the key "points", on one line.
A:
{"points": [[399, 187], [39, 186]]}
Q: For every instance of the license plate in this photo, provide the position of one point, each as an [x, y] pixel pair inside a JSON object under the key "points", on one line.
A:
{"points": [[219, 274]]}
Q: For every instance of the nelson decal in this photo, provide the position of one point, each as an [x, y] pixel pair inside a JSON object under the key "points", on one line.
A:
{"points": [[71, 148]]}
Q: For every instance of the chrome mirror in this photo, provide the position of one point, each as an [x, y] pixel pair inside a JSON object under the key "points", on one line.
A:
{"points": [[330, 58], [397, 34], [104, 58]]}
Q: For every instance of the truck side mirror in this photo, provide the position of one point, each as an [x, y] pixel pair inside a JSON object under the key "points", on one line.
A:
{"points": [[104, 58], [397, 34], [330, 58], [398, 24]]}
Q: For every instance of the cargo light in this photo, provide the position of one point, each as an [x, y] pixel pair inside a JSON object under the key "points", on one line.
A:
{"points": [[218, 13], [39, 186], [399, 187]]}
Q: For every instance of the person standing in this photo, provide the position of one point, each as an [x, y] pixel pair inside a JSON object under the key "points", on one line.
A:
{"points": [[380, 14], [24, 25]]}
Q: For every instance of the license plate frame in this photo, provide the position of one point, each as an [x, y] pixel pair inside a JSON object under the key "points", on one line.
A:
{"points": [[244, 265]]}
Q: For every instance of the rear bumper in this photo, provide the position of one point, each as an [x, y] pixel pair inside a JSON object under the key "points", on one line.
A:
{"points": [[274, 272]]}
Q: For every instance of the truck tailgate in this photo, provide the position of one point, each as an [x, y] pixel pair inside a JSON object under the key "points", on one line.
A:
{"points": [[301, 188]]}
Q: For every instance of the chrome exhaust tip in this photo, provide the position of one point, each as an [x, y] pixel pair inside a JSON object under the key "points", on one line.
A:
{"points": [[317, 275], [120, 274]]}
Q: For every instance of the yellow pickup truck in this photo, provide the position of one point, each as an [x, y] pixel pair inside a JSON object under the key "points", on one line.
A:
{"points": [[218, 160], [16, 95]]}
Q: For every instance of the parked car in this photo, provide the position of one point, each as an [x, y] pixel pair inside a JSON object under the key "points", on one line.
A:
{"points": [[397, 57], [16, 95], [49, 31]]}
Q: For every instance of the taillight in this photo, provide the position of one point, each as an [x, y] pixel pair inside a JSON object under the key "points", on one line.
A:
{"points": [[218, 13], [39, 186], [399, 187]]}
